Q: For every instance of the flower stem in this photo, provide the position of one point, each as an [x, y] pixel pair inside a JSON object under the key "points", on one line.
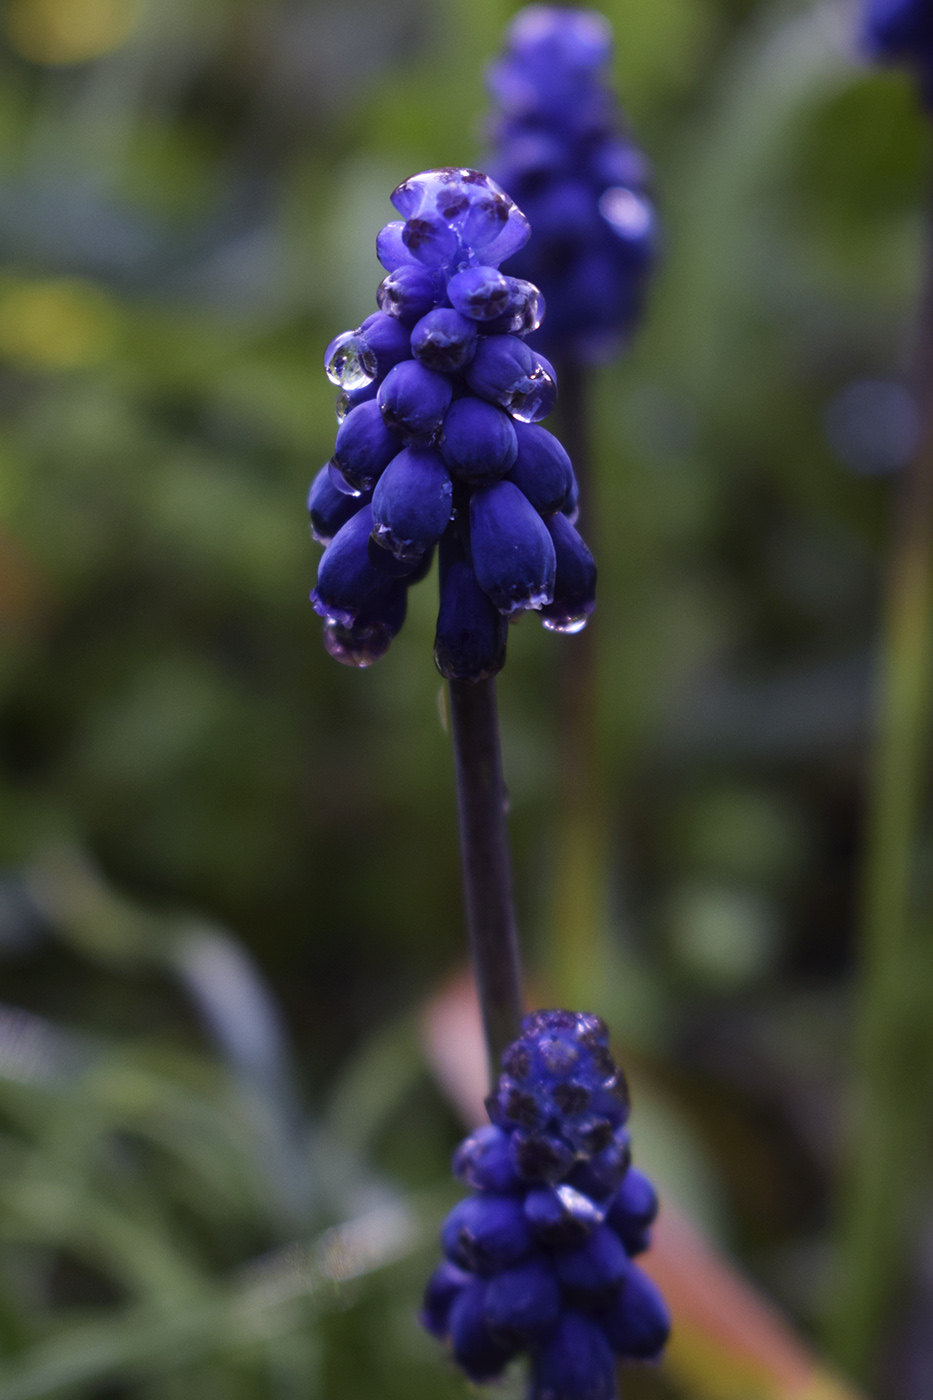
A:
{"points": [[487, 868], [579, 920], [894, 1043]]}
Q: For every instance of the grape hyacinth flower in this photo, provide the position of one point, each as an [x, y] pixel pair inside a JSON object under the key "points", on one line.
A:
{"points": [[540, 1258], [560, 149], [439, 443], [901, 32]]}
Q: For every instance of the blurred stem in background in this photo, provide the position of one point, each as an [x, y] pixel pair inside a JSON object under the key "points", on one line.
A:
{"points": [[486, 864], [579, 918], [889, 1129]]}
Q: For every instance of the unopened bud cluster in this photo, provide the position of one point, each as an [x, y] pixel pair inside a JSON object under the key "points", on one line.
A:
{"points": [[439, 443], [559, 148], [540, 1258]]}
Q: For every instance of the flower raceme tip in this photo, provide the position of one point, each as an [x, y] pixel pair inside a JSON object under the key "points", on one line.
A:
{"points": [[439, 443]]}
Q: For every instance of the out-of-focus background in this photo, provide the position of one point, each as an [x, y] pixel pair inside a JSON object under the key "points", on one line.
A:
{"points": [[230, 874]]}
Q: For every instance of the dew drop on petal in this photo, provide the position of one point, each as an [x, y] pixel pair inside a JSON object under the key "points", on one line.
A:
{"points": [[568, 626], [350, 363], [536, 397]]}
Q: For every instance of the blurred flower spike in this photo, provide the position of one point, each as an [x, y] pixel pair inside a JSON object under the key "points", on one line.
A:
{"points": [[901, 32], [61, 32], [540, 1257], [439, 443], [560, 149]]}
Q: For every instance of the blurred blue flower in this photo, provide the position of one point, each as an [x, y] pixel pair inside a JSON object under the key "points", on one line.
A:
{"points": [[901, 31], [560, 149], [539, 1258]]}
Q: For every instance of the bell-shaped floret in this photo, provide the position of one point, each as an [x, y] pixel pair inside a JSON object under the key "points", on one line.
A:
{"points": [[513, 554], [481, 293], [523, 1302], [413, 401], [575, 1363], [482, 1160], [542, 470], [487, 1232], [412, 503], [471, 636], [387, 338], [328, 507], [561, 1216], [574, 580], [600, 1177], [478, 440], [505, 371], [348, 585], [430, 240], [408, 293], [481, 1355], [633, 1211], [368, 637], [390, 247], [636, 1320], [364, 446], [443, 1288], [595, 1266], [443, 340], [539, 1156]]}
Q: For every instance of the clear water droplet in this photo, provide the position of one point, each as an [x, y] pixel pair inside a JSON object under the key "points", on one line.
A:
{"points": [[536, 397], [569, 626], [342, 406], [350, 363]]}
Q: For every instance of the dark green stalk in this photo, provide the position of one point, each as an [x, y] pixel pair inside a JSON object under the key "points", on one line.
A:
{"points": [[487, 869], [894, 1041]]}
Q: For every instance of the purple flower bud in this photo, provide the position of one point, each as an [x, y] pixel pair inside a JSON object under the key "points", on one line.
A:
{"points": [[481, 293], [388, 340], [508, 373], [574, 580], [443, 1288], [328, 507], [523, 1302], [364, 446], [596, 1266], [482, 1160], [413, 401], [408, 293], [575, 1363], [542, 470], [368, 638], [430, 240], [513, 554], [478, 441], [633, 1210], [412, 503], [486, 1233], [347, 583], [471, 636], [540, 1156], [481, 1355], [600, 1177], [391, 249], [561, 1215], [636, 1321], [443, 340]]}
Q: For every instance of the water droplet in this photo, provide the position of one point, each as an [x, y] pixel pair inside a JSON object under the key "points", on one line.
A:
{"points": [[359, 645], [569, 626], [535, 398], [350, 363], [342, 406]]}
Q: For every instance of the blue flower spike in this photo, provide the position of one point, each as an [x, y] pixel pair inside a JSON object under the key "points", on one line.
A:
{"points": [[539, 1258], [439, 443], [560, 148]]}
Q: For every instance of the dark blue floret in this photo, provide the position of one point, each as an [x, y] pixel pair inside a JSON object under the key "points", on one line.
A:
{"points": [[901, 31], [513, 556], [328, 507], [574, 581], [478, 441], [412, 503], [364, 446], [471, 636], [560, 149], [438, 392], [561, 1284], [413, 401]]}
